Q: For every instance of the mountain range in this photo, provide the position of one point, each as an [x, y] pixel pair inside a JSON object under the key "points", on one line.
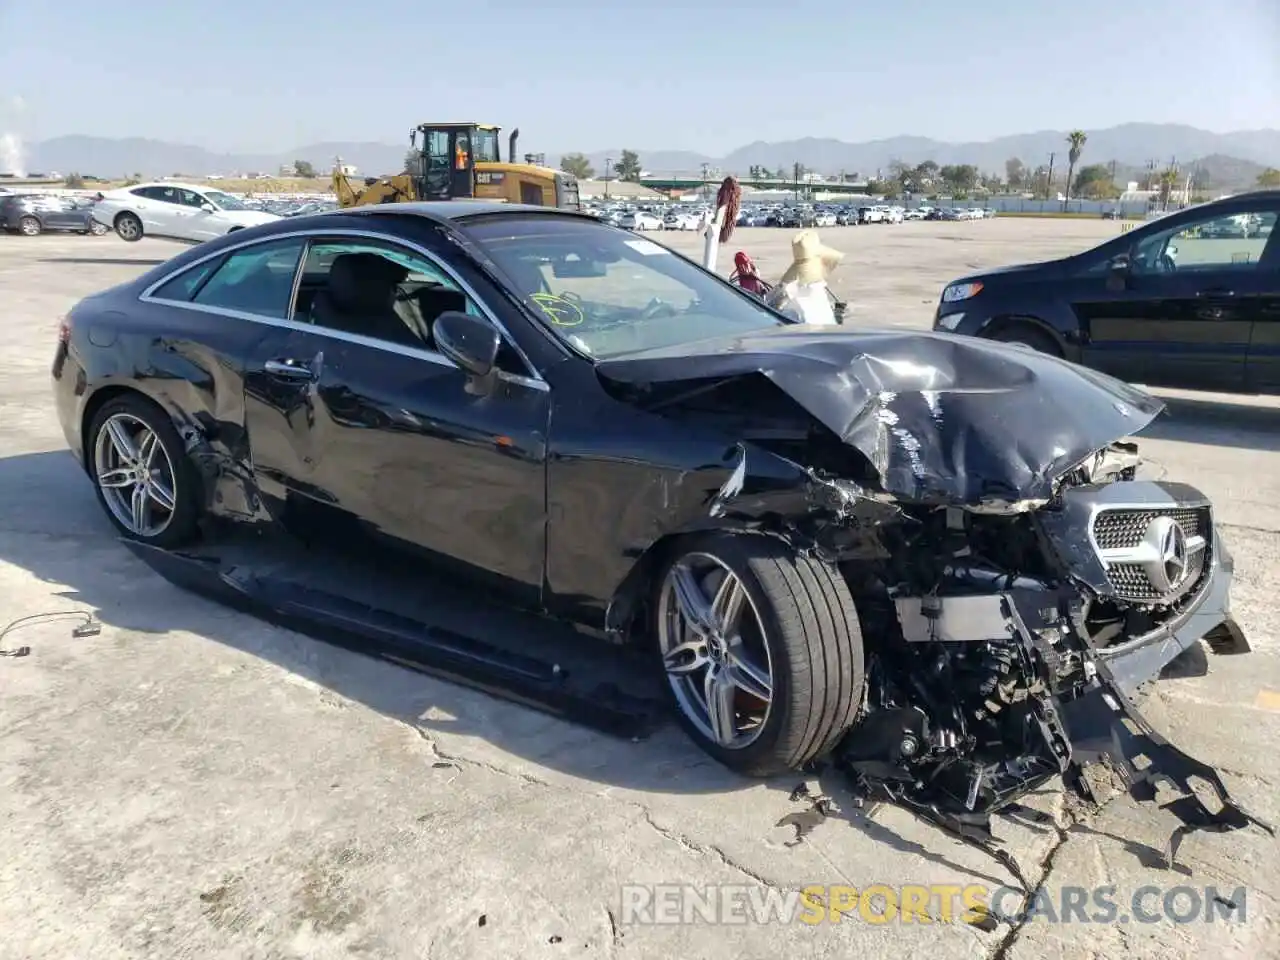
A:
{"points": [[1131, 145]]}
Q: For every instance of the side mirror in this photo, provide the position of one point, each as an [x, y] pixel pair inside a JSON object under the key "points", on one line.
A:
{"points": [[471, 344], [1118, 272], [208, 208]]}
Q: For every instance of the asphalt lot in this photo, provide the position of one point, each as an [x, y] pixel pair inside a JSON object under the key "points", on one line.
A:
{"points": [[193, 783]]}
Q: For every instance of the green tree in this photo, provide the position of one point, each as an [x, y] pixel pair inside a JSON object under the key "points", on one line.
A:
{"points": [[1075, 146], [1167, 181], [1015, 173], [1086, 176], [926, 173], [628, 168], [1269, 179], [577, 166], [959, 178], [1038, 181], [73, 181], [303, 169]]}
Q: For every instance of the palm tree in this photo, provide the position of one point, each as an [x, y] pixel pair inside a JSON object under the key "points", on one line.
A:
{"points": [[1075, 141], [1075, 146], [1168, 180]]}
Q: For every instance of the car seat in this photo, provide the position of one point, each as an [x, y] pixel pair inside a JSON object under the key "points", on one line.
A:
{"points": [[360, 297]]}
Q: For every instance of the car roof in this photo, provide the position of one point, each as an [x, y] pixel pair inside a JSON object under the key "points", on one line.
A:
{"points": [[167, 183]]}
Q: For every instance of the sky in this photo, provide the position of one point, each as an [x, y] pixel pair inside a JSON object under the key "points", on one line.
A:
{"points": [[706, 75]]}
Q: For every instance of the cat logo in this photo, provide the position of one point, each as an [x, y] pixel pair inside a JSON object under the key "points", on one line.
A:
{"points": [[488, 179]]}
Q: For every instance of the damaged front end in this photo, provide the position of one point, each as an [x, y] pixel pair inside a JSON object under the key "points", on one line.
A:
{"points": [[1015, 581], [1008, 659]]}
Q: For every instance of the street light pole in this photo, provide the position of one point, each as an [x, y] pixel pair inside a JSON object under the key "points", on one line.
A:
{"points": [[608, 168]]}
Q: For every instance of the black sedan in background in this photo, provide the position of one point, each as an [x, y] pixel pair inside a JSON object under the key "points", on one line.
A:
{"points": [[1189, 300], [802, 526], [33, 214]]}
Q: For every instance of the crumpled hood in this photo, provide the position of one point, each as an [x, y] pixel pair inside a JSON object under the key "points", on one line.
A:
{"points": [[941, 418]]}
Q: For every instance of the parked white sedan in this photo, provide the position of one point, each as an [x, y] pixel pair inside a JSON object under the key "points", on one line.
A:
{"points": [[681, 221], [174, 211], [639, 220]]}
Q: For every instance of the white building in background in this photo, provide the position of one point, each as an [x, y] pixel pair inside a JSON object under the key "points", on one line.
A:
{"points": [[348, 169]]}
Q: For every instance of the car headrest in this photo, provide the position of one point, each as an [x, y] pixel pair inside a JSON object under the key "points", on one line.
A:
{"points": [[364, 281], [436, 300]]}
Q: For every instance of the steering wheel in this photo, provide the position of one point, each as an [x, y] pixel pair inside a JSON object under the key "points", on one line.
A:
{"points": [[657, 308]]}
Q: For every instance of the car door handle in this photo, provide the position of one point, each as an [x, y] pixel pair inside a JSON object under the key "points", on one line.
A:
{"points": [[1214, 293], [289, 370]]}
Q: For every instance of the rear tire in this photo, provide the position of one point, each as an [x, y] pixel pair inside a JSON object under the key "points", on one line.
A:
{"points": [[144, 480], [98, 229], [803, 633], [1028, 336], [129, 227], [29, 227]]}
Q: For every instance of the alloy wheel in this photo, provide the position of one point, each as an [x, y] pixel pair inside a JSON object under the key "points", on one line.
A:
{"points": [[29, 226], [135, 475], [711, 640], [128, 228]]}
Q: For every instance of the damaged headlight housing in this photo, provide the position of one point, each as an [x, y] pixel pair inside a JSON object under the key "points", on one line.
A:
{"points": [[961, 291]]}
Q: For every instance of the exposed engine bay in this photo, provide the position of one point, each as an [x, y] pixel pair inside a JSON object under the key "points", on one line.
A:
{"points": [[988, 640]]}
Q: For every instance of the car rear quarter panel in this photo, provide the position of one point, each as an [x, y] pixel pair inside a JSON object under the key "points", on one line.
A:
{"points": [[189, 363]]}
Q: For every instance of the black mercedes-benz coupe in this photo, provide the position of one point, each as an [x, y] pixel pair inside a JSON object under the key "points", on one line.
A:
{"points": [[932, 555]]}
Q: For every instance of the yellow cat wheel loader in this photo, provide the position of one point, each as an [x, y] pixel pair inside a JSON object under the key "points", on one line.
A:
{"points": [[462, 161]]}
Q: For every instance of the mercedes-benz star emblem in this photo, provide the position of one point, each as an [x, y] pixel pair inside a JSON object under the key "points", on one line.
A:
{"points": [[1167, 570]]}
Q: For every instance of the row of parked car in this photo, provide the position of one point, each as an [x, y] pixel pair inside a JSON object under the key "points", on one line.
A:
{"points": [[851, 216], [794, 216]]}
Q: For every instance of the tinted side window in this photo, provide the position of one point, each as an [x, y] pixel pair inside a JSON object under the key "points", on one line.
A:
{"points": [[257, 279], [182, 287], [1233, 242], [383, 291]]}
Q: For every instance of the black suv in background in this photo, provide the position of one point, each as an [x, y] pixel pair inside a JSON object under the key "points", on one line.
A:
{"points": [[1189, 300]]}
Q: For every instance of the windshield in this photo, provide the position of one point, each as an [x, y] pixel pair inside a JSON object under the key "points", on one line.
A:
{"points": [[607, 292], [484, 147], [224, 200]]}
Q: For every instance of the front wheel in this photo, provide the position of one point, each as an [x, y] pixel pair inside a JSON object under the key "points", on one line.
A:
{"points": [[129, 227], [761, 648], [29, 227], [1026, 335]]}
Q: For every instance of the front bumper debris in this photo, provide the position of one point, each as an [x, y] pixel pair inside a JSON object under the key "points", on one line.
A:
{"points": [[1088, 720]]}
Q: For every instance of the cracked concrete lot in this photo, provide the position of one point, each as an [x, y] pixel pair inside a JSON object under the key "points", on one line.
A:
{"points": [[193, 783]]}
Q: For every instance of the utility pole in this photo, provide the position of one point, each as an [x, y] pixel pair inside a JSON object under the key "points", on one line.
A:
{"points": [[1048, 182], [608, 169]]}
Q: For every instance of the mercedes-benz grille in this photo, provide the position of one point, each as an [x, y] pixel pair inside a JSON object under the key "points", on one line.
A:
{"points": [[1153, 556]]}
